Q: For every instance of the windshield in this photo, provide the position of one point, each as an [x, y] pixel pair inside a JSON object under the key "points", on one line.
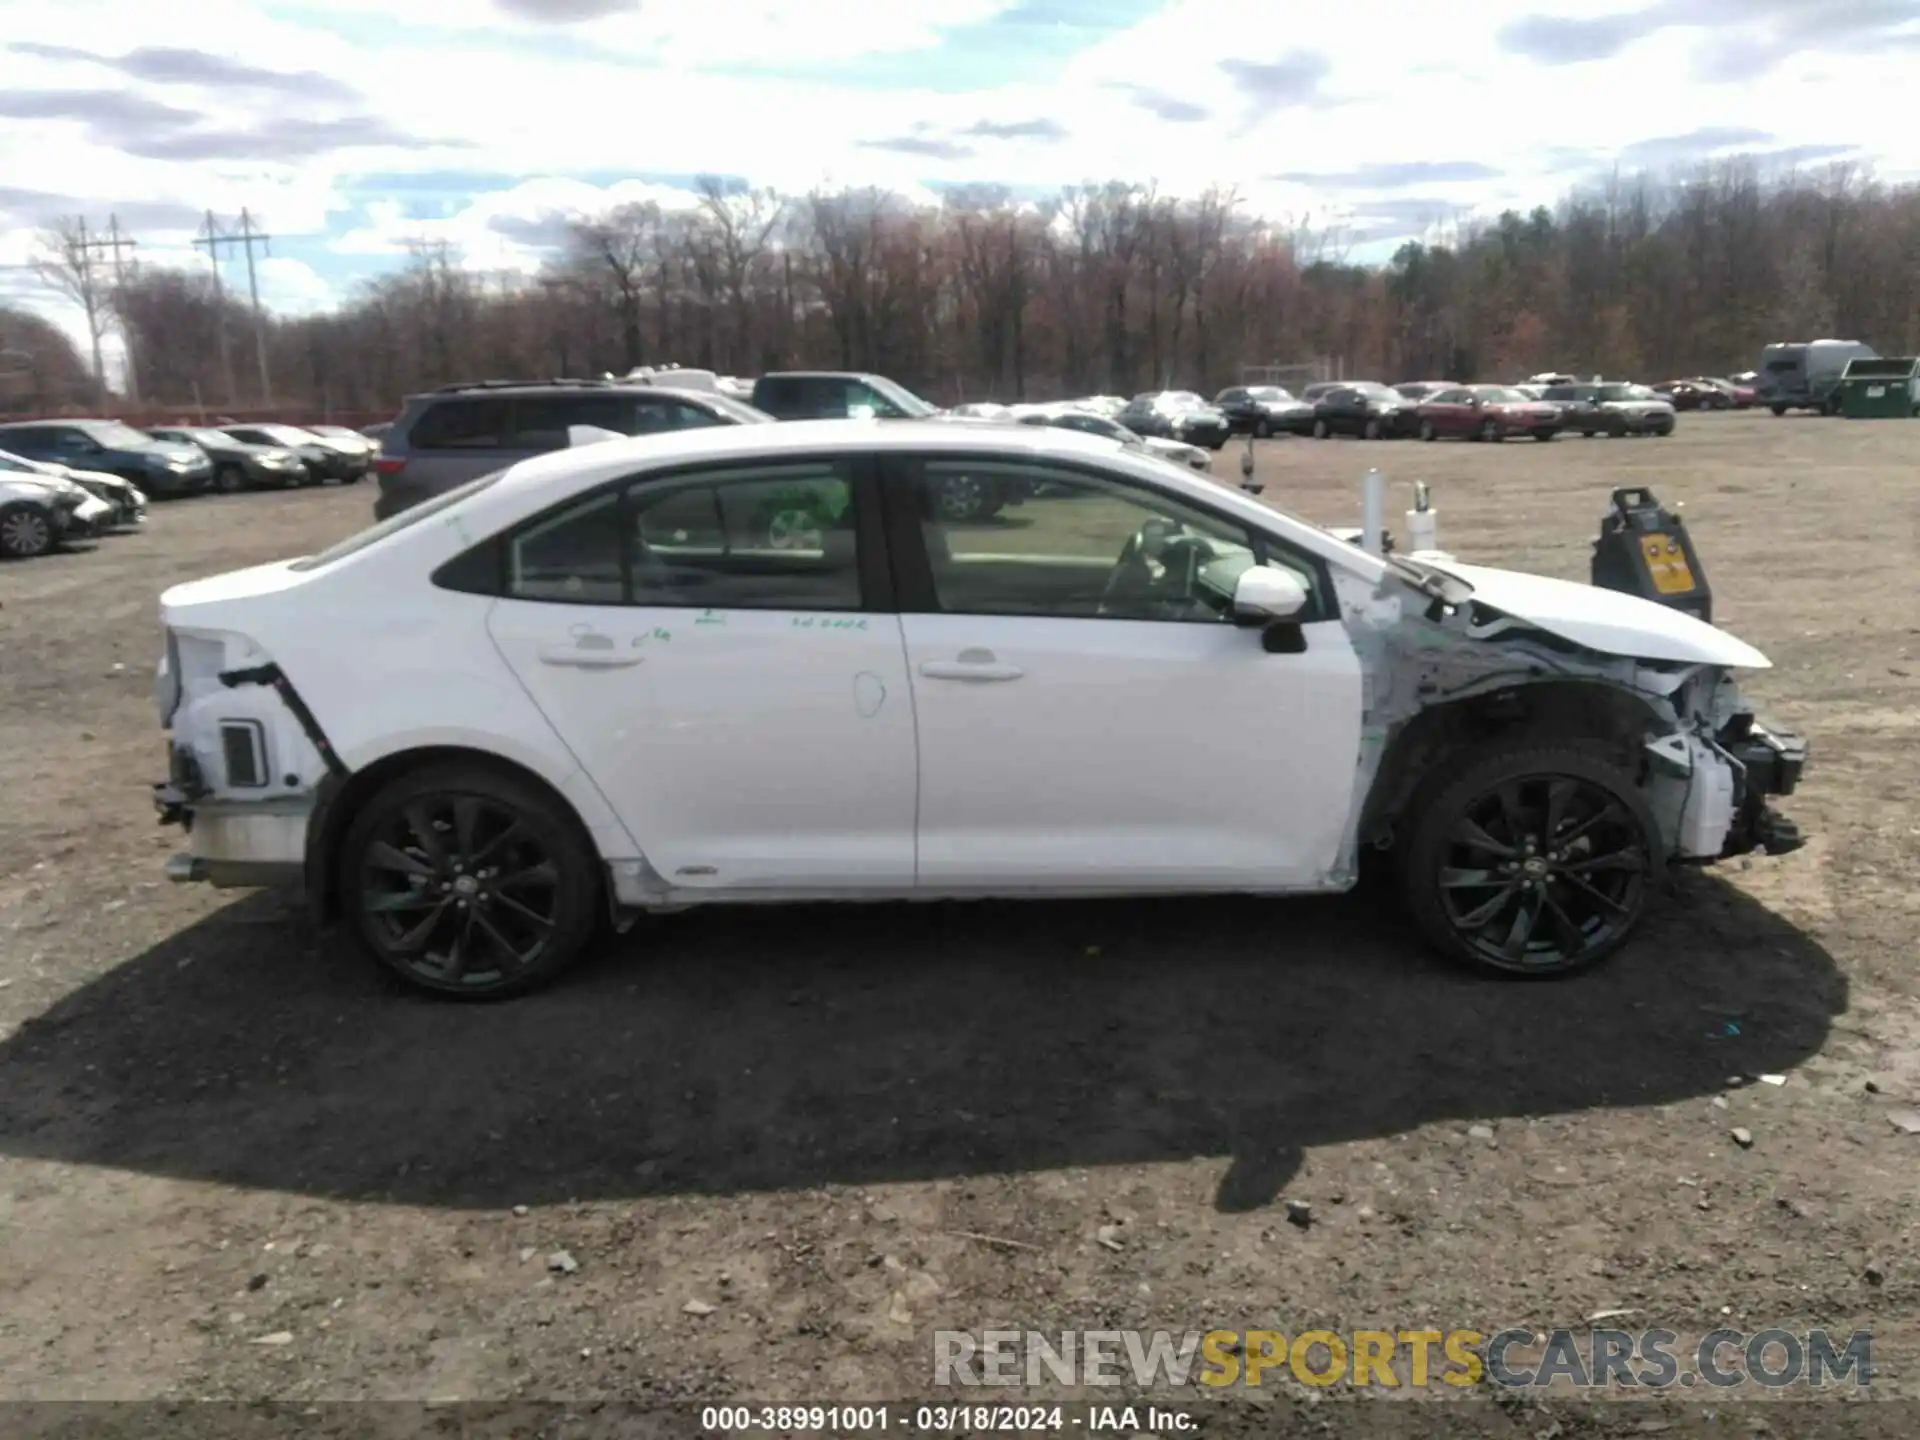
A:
{"points": [[1180, 400], [284, 434], [1375, 390], [1272, 394], [393, 524], [909, 404], [202, 437], [1499, 394], [116, 435], [1614, 392], [739, 411], [9, 461]]}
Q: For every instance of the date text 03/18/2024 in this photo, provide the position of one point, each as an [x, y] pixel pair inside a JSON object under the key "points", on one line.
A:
{"points": [[853, 1420]]}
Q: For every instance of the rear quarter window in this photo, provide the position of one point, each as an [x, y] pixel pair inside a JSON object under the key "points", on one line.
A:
{"points": [[476, 424]]}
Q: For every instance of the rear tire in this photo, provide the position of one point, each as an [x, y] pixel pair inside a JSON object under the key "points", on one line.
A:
{"points": [[1427, 432], [25, 532], [1321, 430], [1263, 430], [1371, 430], [470, 882], [1530, 862], [1778, 409], [1491, 433], [229, 479]]}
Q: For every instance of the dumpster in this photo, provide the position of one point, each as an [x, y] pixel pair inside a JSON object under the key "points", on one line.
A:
{"points": [[1883, 388]]}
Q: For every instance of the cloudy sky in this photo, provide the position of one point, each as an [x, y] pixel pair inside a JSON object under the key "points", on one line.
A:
{"points": [[349, 126]]}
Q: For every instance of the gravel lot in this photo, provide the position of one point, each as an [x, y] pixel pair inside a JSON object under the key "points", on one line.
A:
{"points": [[842, 1129]]}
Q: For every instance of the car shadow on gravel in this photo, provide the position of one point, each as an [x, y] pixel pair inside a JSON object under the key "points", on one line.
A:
{"points": [[783, 1048]]}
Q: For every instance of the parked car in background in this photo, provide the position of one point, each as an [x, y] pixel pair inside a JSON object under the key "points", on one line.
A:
{"points": [[1611, 407], [1742, 396], [128, 501], [1806, 376], [448, 436], [1071, 417], [602, 693], [39, 512], [350, 440], [1313, 392], [376, 432], [1263, 411], [1176, 415], [1692, 395], [837, 395], [1486, 412], [1365, 408], [156, 467], [981, 410], [240, 464], [325, 457], [1107, 405], [1415, 391]]}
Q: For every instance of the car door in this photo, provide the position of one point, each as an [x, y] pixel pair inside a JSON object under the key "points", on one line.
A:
{"points": [[717, 648], [1450, 412], [1079, 732]]}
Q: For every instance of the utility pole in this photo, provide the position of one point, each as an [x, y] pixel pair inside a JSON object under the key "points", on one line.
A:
{"points": [[248, 236], [212, 238], [115, 243]]}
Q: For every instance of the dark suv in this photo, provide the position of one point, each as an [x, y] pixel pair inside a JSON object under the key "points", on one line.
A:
{"points": [[452, 435], [158, 467]]}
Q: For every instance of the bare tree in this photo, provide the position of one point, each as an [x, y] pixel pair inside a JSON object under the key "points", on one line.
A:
{"points": [[65, 263]]}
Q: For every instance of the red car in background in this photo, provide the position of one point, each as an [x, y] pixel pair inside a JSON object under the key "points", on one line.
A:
{"points": [[1487, 412], [1744, 397], [1693, 395]]}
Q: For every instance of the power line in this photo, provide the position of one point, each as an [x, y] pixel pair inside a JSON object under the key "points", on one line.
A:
{"points": [[212, 237], [116, 242]]}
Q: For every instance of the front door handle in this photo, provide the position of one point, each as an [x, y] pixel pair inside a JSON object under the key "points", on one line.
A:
{"points": [[974, 665], [585, 659]]}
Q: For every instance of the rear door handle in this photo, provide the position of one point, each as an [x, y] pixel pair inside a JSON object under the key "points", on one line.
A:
{"points": [[583, 659], [974, 670]]}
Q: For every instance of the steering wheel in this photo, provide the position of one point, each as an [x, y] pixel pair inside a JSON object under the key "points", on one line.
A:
{"points": [[1155, 573]]}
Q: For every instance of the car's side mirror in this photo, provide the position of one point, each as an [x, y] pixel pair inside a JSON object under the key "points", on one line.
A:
{"points": [[1263, 595]]}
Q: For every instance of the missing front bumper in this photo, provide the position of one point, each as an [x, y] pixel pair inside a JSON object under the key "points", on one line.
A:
{"points": [[1771, 763]]}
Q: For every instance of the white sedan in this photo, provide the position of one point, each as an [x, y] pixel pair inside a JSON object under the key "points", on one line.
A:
{"points": [[592, 682]]}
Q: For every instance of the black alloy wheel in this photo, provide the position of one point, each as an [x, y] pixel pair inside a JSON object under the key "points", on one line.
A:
{"points": [[465, 881], [1533, 864]]}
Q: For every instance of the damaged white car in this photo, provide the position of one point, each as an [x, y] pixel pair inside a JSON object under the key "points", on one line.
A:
{"points": [[586, 685]]}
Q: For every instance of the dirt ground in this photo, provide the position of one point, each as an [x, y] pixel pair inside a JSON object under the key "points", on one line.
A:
{"points": [[234, 1163]]}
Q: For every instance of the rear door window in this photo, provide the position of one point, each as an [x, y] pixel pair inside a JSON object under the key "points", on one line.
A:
{"points": [[476, 424]]}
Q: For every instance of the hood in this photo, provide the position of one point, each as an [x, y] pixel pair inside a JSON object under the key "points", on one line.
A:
{"points": [[1606, 620]]}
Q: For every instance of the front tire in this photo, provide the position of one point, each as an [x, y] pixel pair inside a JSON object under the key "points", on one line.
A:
{"points": [[1263, 430], [1530, 862], [469, 882], [25, 532], [1427, 432], [1321, 430], [229, 479], [1491, 432]]}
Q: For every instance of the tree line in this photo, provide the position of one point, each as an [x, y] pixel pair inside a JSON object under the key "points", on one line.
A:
{"points": [[1110, 288]]}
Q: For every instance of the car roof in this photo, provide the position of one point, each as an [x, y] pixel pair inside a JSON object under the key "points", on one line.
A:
{"points": [[491, 388], [526, 488]]}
